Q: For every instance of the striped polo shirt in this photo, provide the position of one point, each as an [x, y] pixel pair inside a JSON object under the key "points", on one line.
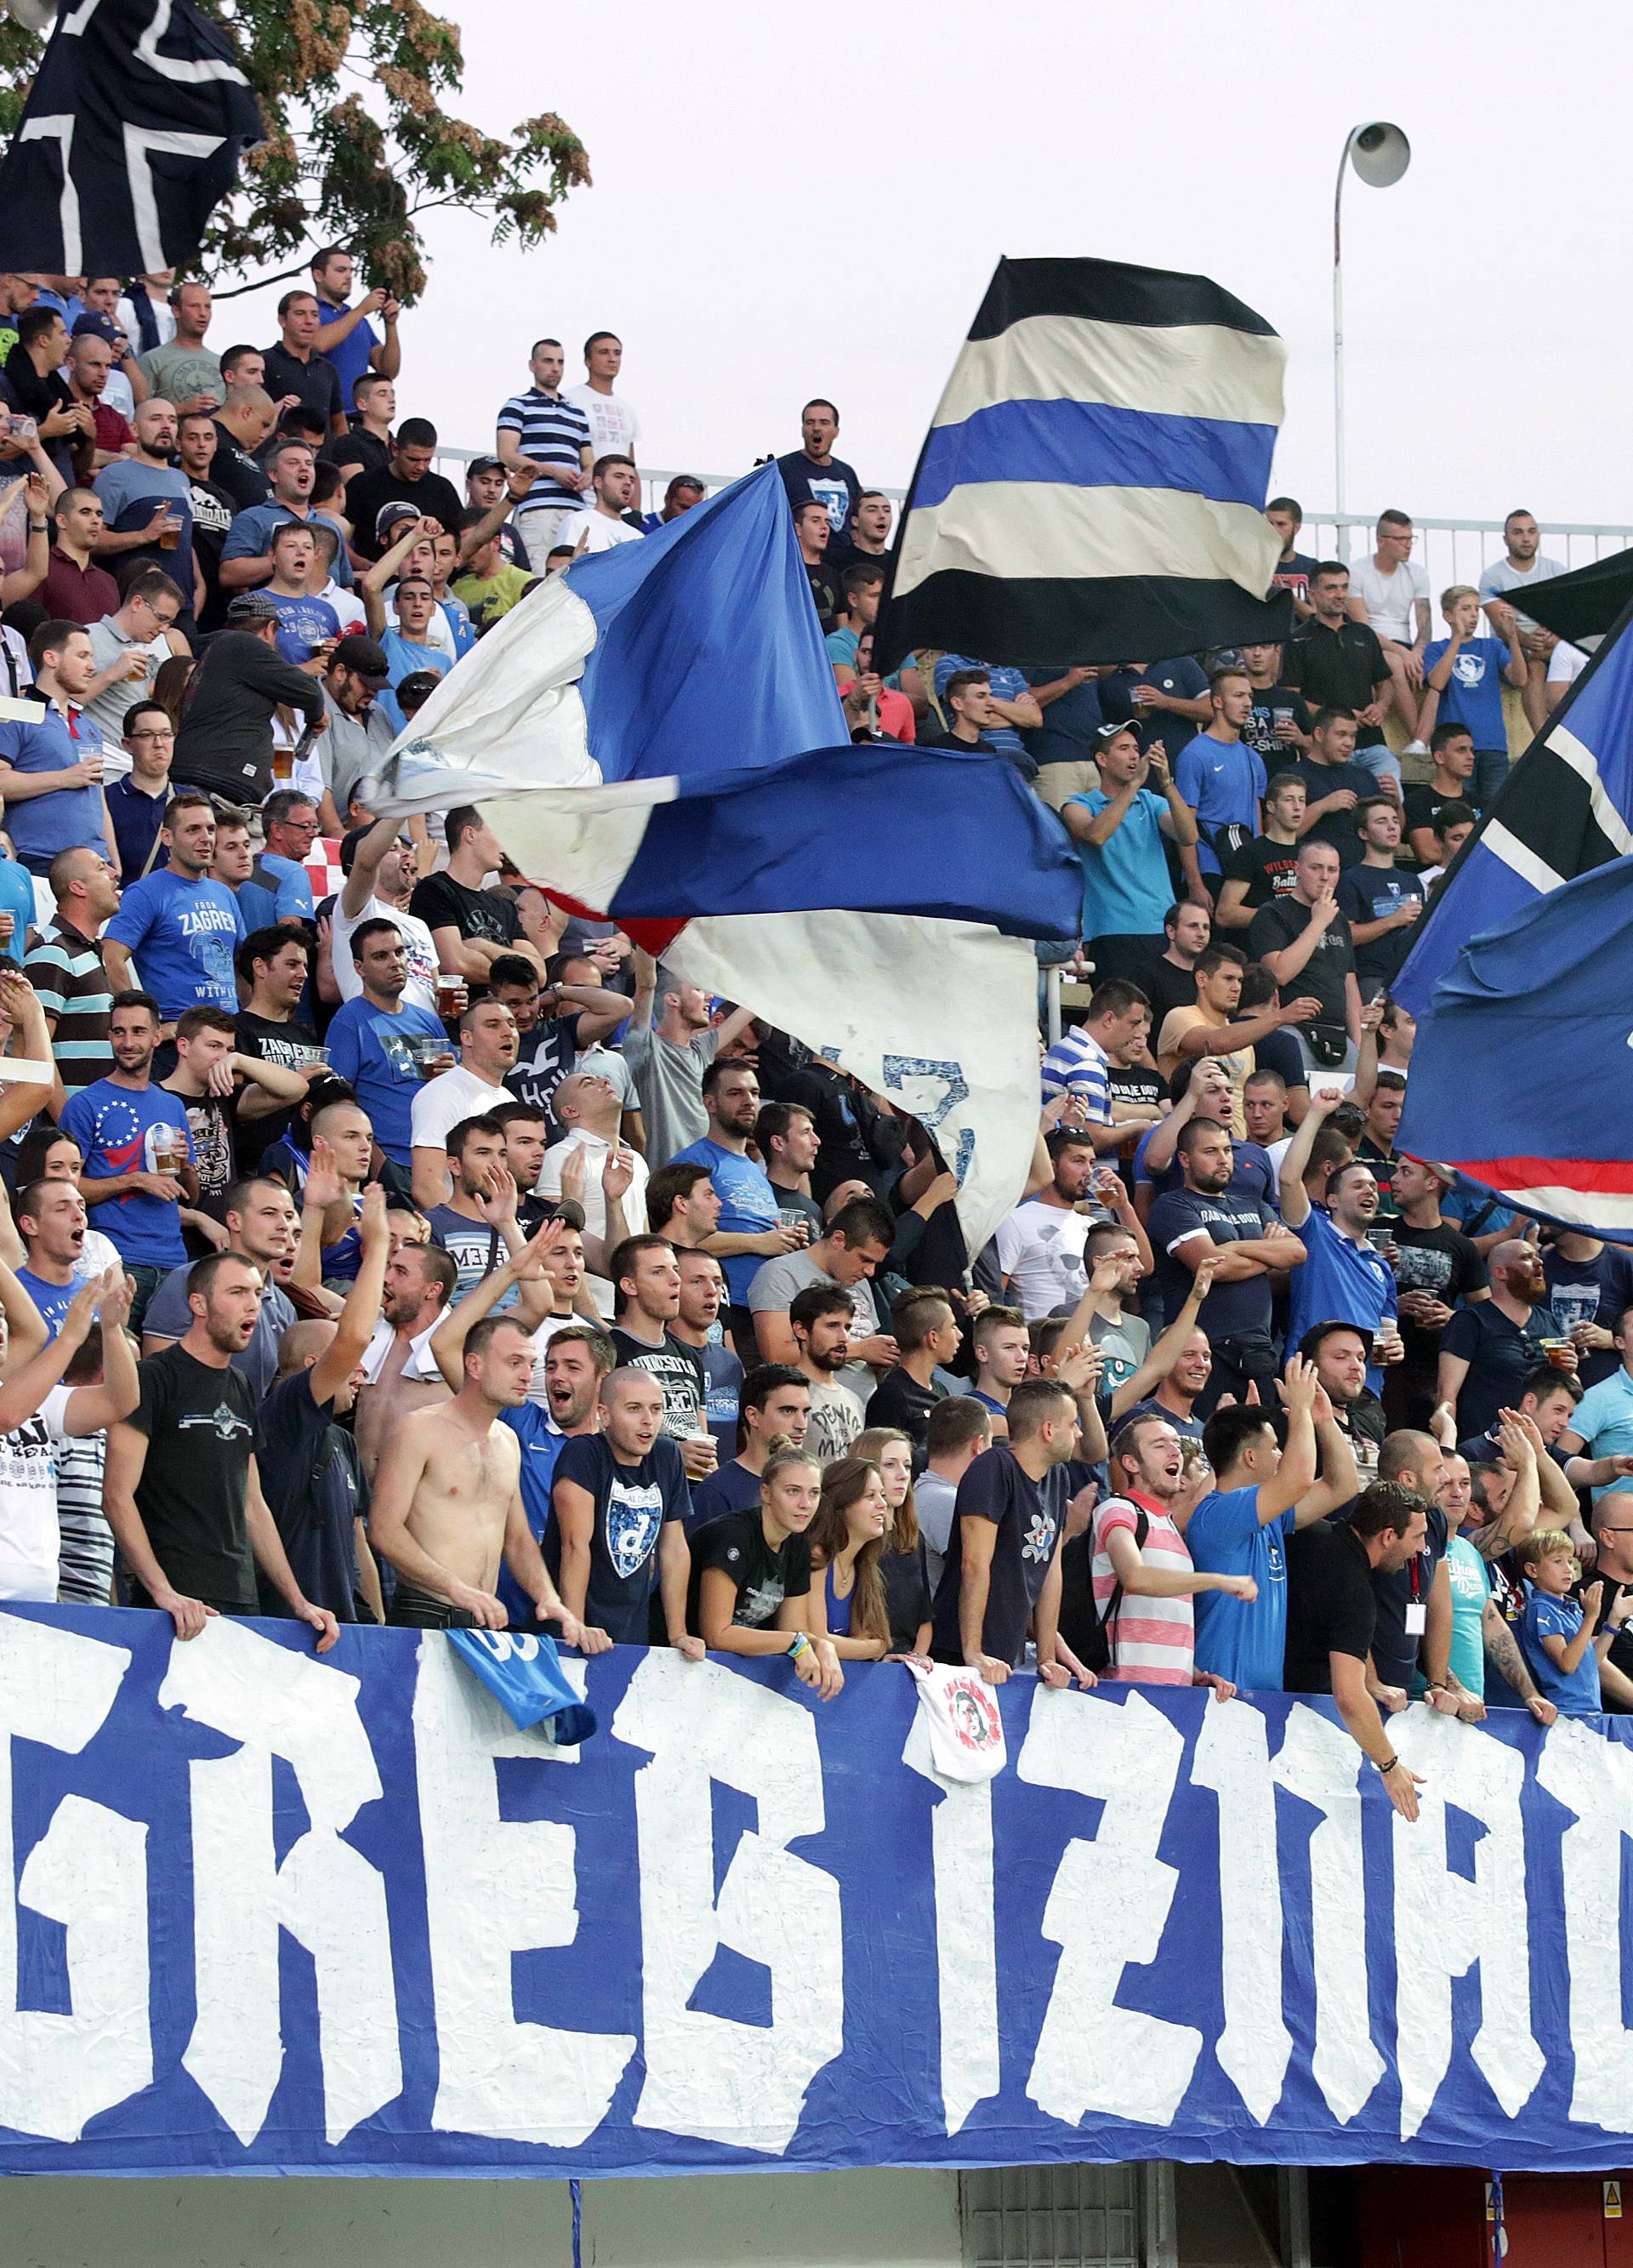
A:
{"points": [[66, 971], [552, 431], [1077, 1064], [1151, 1641]]}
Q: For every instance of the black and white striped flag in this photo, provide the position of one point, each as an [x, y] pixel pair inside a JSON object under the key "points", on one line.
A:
{"points": [[1093, 488], [131, 138]]}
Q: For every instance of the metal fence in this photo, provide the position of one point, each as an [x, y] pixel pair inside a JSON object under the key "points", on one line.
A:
{"points": [[1452, 551]]}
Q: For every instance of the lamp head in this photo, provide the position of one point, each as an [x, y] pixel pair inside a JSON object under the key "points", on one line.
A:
{"points": [[1379, 152]]}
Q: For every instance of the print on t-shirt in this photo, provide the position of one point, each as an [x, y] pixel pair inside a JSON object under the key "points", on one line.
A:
{"points": [[635, 1513]]}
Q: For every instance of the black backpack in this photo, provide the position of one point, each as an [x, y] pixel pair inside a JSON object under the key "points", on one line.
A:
{"points": [[1082, 1627]]}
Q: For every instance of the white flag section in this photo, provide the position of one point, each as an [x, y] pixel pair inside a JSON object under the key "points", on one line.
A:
{"points": [[939, 1017]]}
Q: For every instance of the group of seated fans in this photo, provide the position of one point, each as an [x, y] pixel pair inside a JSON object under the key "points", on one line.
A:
{"points": [[380, 1243]]}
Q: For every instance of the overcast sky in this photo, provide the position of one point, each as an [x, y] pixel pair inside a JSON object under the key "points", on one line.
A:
{"points": [[791, 202]]}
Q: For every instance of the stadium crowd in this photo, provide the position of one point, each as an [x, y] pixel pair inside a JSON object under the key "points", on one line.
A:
{"points": [[483, 1271]]}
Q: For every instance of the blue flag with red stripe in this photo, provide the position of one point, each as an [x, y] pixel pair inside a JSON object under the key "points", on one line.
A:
{"points": [[1522, 1073]]}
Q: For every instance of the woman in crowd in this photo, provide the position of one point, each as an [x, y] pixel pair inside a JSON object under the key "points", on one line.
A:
{"points": [[847, 1538], [902, 1565]]}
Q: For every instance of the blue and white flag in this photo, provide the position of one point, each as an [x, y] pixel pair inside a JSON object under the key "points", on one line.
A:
{"points": [[1522, 1073], [135, 125], [526, 1677], [1093, 488], [656, 736], [1563, 810]]}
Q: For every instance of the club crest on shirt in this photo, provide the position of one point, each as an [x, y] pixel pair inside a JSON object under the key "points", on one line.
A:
{"points": [[225, 1423], [634, 1516]]}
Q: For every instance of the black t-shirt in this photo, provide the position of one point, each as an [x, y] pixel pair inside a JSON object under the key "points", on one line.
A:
{"points": [[1167, 987], [899, 1400], [316, 1490], [1424, 805], [1367, 893], [679, 1370], [1368, 1154], [1336, 669], [834, 485], [316, 383], [763, 1578], [1397, 1596], [441, 902], [1275, 926], [214, 1159], [825, 591], [1498, 1353], [1330, 1606], [1444, 1263], [906, 1578], [1259, 733], [235, 472], [547, 1055], [1335, 827], [1267, 867], [359, 448], [1135, 1083], [213, 508], [1293, 574], [1364, 1423], [367, 493], [632, 1503], [200, 1424], [286, 1045], [1028, 1515]]}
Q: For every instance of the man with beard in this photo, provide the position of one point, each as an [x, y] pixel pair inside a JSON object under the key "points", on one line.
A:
{"points": [[1175, 1398], [1205, 1216], [138, 1154], [261, 1226], [1144, 1579], [1345, 1275], [400, 1371], [1040, 1244], [1341, 1352], [1436, 1267], [752, 1229], [818, 1319], [198, 440], [183, 1492], [488, 1045], [147, 509]]}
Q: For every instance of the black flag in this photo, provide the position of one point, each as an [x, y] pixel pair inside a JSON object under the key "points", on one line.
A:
{"points": [[131, 138]]}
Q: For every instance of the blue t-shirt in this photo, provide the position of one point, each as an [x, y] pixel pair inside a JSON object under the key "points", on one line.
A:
{"points": [[53, 1301], [114, 1127], [292, 900], [405, 656], [304, 624], [1604, 1419], [367, 1049], [68, 818], [457, 615], [1126, 890], [541, 1441], [1237, 1639], [1183, 677], [747, 1206], [1224, 783], [17, 898], [1007, 685], [1340, 1281], [1071, 722], [729, 1488], [182, 935], [1573, 1695], [1474, 696], [350, 354], [1252, 1174], [723, 1374], [632, 1504], [1182, 1215], [131, 493], [251, 535]]}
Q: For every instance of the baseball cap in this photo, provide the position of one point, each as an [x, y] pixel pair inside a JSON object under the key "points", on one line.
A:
{"points": [[362, 656], [1105, 733], [91, 325], [1310, 1344], [252, 607], [484, 465], [417, 686], [389, 515]]}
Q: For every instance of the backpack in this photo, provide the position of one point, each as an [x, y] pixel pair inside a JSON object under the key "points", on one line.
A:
{"points": [[1083, 1627]]}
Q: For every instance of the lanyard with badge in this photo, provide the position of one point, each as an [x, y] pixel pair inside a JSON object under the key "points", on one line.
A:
{"points": [[1417, 1611]]}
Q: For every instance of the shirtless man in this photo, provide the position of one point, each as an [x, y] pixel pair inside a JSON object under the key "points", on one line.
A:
{"points": [[448, 1502], [401, 1373]]}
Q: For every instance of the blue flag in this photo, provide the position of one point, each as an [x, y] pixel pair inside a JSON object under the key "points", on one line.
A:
{"points": [[1522, 1073], [1563, 810], [523, 1672]]}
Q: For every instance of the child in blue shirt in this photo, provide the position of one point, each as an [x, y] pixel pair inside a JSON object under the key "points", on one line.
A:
{"points": [[1463, 679], [1560, 1638]]}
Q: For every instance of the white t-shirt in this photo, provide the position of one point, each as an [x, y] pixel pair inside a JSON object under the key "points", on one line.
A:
{"points": [[118, 396], [443, 1102], [600, 533], [1502, 576], [633, 1200], [421, 1364], [30, 1546], [537, 1386], [1391, 600], [108, 709], [1566, 664], [421, 989], [614, 426], [348, 606], [1040, 1252]]}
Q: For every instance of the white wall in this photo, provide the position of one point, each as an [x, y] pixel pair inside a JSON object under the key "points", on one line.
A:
{"points": [[782, 2219]]}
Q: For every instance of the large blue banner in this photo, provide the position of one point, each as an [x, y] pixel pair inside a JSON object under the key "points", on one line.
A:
{"points": [[263, 1913]]}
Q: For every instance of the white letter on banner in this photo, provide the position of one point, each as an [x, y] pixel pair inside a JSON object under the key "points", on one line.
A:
{"points": [[967, 1955], [1480, 1920], [709, 2076], [277, 1703], [89, 1872], [1107, 1911], [1593, 1777], [494, 1888], [1320, 1762], [1232, 1759]]}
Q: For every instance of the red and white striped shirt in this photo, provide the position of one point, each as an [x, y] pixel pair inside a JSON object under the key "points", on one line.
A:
{"points": [[1151, 1641]]}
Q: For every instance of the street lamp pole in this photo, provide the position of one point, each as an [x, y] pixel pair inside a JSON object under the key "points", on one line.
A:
{"points": [[1380, 154]]}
